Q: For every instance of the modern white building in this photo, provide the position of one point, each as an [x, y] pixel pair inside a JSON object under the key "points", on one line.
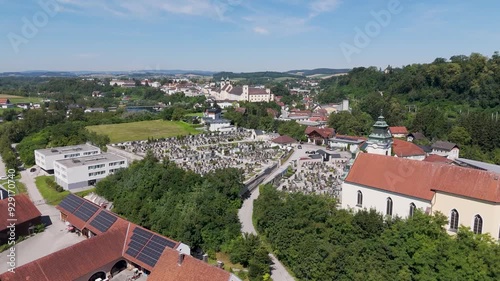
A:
{"points": [[44, 158], [216, 125], [86, 171]]}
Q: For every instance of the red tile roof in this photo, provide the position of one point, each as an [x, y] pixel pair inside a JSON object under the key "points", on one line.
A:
{"points": [[74, 262], [437, 159], [284, 140], [393, 174], [398, 130], [403, 148], [418, 178], [4, 101], [323, 132], [25, 211], [191, 269]]}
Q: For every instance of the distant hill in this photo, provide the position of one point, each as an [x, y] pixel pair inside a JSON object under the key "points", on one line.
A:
{"points": [[45, 73], [254, 75], [318, 71]]}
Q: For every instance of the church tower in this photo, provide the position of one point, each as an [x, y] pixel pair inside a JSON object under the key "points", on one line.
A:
{"points": [[380, 140]]}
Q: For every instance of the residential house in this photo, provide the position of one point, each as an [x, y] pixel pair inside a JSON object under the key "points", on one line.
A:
{"points": [[219, 125], [319, 136], [416, 137], [334, 107], [409, 150], [446, 149], [94, 109], [97, 94], [212, 113], [5, 103], [398, 132], [27, 217], [284, 141], [122, 83]]}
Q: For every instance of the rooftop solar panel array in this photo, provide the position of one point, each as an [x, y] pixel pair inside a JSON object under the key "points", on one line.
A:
{"points": [[147, 247], [71, 203], [86, 211], [103, 221]]}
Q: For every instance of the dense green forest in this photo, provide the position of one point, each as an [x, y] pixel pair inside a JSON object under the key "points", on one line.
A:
{"points": [[456, 100], [318, 241]]}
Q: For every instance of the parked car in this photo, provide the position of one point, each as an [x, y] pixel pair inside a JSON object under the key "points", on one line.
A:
{"points": [[3, 177], [33, 170], [299, 146]]}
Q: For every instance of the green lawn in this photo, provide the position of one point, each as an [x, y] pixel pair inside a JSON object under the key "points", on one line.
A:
{"points": [[50, 195], [143, 130], [21, 188], [20, 99], [199, 114]]}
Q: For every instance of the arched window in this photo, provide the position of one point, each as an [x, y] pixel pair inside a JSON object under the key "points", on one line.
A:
{"points": [[389, 207], [412, 209], [478, 225], [454, 220], [360, 199]]}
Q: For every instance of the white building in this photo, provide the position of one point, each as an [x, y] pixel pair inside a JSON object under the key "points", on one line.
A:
{"points": [[216, 125], [395, 186], [86, 171], [122, 83], [227, 91], [44, 158], [446, 149]]}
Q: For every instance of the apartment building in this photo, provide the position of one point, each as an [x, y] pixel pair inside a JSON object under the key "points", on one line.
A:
{"points": [[85, 171], [45, 158]]}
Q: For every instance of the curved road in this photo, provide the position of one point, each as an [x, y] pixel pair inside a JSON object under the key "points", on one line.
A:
{"points": [[278, 272]]}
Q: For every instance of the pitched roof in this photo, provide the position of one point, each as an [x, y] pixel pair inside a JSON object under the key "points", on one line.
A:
{"points": [[4, 101], [323, 132], [284, 140], [393, 174], [403, 148], [444, 145], [417, 136], [434, 158], [257, 91], [419, 178], [191, 269], [65, 265], [398, 130], [238, 90], [25, 210]]}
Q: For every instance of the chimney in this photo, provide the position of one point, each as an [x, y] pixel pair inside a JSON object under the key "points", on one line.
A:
{"points": [[220, 264], [205, 258], [181, 258]]}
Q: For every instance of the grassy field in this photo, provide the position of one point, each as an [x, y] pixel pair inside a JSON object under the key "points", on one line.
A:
{"points": [[143, 130], [199, 114], [50, 195], [20, 99]]}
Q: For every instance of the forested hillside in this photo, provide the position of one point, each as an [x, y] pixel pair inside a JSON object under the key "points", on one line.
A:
{"points": [[317, 241], [456, 100]]}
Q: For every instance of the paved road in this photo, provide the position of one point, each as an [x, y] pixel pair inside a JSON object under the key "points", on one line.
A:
{"points": [[3, 172], [54, 238], [278, 272]]}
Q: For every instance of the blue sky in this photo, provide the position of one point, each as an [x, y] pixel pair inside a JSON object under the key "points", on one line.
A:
{"points": [[240, 35]]}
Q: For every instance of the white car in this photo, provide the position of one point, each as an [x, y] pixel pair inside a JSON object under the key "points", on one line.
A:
{"points": [[3, 177]]}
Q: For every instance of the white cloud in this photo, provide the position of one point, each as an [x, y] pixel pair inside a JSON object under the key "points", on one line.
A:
{"points": [[322, 6], [260, 30]]}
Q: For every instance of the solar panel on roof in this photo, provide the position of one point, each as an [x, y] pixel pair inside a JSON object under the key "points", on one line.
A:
{"points": [[103, 221], [160, 240], [135, 245], [71, 203], [151, 253], [86, 211], [139, 239], [142, 232], [147, 260], [132, 252]]}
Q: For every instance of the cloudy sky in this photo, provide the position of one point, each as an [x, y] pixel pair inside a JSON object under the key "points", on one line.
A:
{"points": [[240, 35]]}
